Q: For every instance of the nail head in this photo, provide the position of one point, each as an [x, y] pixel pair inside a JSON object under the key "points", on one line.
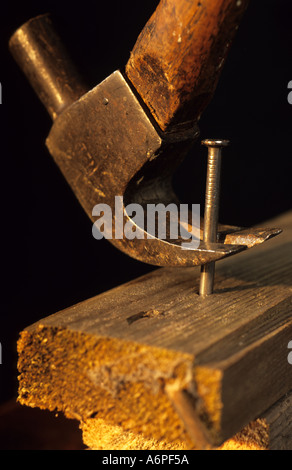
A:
{"points": [[215, 143]]}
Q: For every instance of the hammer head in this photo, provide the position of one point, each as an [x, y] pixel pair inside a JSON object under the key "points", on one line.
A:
{"points": [[108, 146]]}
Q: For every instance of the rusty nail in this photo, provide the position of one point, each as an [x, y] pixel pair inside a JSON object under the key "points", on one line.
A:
{"points": [[211, 208]]}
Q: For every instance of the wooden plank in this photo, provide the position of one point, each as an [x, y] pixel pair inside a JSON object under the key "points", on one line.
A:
{"points": [[155, 356], [271, 431]]}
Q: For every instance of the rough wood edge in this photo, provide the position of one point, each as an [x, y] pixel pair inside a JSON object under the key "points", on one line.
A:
{"points": [[272, 431]]}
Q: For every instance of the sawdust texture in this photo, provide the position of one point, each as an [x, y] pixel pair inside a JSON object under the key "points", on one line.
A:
{"points": [[121, 383]]}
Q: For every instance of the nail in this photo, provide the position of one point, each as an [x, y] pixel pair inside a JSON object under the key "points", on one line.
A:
{"points": [[211, 208]]}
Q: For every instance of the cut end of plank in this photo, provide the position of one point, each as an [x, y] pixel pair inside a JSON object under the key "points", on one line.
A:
{"points": [[117, 406], [121, 383], [99, 435]]}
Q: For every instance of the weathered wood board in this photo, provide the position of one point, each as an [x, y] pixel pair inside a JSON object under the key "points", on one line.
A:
{"points": [[153, 357], [271, 431]]}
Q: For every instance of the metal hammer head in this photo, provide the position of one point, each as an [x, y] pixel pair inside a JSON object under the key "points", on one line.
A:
{"points": [[107, 144]]}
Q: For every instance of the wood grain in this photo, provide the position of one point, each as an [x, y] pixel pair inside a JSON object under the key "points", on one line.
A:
{"points": [[135, 353], [271, 431], [178, 58]]}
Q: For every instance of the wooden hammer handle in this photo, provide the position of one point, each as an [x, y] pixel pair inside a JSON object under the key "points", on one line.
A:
{"points": [[176, 62]]}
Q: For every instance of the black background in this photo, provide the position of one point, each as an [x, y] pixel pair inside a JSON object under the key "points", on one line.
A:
{"points": [[49, 259]]}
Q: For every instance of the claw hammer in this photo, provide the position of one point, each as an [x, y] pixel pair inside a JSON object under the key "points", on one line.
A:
{"points": [[127, 135]]}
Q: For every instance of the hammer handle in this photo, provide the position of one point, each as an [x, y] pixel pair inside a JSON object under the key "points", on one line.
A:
{"points": [[41, 55], [176, 62]]}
